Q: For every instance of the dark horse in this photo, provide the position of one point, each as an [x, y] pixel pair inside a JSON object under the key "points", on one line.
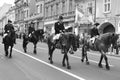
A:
{"points": [[34, 39], [9, 42], [102, 44], [65, 42]]}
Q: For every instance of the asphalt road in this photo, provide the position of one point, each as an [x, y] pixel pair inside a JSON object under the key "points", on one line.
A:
{"points": [[28, 66]]}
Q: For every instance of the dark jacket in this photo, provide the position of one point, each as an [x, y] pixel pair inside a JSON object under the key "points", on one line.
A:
{"points": [[94, 32], [30, 30], [8, 27], [59, 26]]}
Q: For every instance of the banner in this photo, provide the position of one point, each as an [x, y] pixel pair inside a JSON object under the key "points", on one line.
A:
{"points": [[78, 14]]}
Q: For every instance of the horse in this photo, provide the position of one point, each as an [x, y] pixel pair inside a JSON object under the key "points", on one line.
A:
{"points": [[9, 42], [34, 39], [101, 44], [66, 42]]}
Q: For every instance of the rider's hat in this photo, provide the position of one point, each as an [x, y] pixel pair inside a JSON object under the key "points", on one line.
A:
{"points": [[10, 21], [96, 24], [31, 22], [60, 17]]}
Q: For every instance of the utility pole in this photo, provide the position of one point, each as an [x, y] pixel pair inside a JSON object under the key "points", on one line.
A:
{"points": [[95, 11]]}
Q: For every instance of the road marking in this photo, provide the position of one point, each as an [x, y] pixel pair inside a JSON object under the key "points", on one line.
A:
{"points": [[57, 68]]}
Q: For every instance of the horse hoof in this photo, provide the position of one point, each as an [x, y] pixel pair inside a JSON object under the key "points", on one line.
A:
{"points": [[25, 51], [6, 55], [68, 67], [100, 65], [35, 52], [10, 56], [64, 65], [82, 60], [87, 63], [107, 67], [49, 58], [51, 62]]}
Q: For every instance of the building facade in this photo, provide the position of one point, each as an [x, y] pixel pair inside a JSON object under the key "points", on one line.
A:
{"points": [[28, 11], [107, 14], [3, 17], [54, 8]]}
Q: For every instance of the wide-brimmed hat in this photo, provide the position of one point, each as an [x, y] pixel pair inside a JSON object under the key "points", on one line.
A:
{"points": [[60, 17]]}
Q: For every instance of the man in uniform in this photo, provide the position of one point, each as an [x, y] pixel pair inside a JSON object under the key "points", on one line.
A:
{"points": [[59, 28], [94, 32], [9, 27], [31, 29]]}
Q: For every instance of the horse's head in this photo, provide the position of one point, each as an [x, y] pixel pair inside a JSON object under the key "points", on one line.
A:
{"points": [[114, 39], [69, 40]]}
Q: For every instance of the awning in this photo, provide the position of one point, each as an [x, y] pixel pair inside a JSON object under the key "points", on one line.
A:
{"points": [[49, 22], [67, 27]]}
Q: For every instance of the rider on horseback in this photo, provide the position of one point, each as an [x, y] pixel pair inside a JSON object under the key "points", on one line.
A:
{"points": [[8, 27], [94, 33], [31, 29], [59, 28]]}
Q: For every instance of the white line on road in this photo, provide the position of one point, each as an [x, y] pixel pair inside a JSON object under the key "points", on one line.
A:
{"points": [[71, 74]]}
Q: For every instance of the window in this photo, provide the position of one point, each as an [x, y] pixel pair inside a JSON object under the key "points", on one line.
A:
{"points": [[63, 7], [41, 8], [107, 6], [46, 11], [51, 10], [90, 9], [70, 5], [38, 9], [57, 8]]}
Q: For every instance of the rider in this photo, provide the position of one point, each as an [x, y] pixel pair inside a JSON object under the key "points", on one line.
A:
{"points": [[94, 32], [8, 27], [59, 28], [31, 29]]}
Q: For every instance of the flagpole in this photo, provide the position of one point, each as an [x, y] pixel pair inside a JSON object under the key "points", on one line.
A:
{"points": [[95, 12]]}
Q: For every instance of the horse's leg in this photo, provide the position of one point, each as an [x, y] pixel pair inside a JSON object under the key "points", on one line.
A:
{"points": [[63, 62], [100, 65], [25, 46], [66, 57], [35, 52], [87, 62], [51, 49], [117, 50], [6, 49], [83, 54], [106, 60], [10, 56]]}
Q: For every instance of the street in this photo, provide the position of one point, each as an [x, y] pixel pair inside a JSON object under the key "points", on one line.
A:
{"points": [[28, 66]]}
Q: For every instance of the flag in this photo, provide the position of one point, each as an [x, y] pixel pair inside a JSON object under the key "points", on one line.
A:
{"points": [[90, 19], [79, 14]]}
